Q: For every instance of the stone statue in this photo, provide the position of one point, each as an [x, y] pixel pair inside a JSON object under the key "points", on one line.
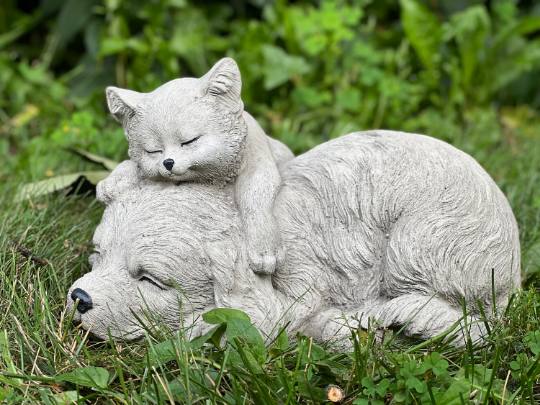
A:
{"points": [[196, 130], [380, 224]]}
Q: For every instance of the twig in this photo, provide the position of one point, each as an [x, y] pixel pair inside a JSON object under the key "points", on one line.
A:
{"points": [[30, 255]]}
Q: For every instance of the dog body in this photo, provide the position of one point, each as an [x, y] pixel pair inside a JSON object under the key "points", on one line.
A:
{"points": [[395, 226]]}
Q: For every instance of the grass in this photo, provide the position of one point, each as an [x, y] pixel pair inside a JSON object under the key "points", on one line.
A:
{"points": [[44, 358]]}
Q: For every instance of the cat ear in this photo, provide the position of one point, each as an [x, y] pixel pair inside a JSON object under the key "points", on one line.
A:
{"points": [[122, 103], [224, 83]]}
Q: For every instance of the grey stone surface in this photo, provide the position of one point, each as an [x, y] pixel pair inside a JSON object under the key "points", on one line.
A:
{"points": [[196, 130], [390, 225]]}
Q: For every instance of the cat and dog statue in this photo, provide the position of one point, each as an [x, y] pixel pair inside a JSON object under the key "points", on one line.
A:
{"points": [[385, 227]]}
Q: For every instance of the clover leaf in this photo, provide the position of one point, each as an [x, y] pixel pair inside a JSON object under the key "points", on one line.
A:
{"points": [[436, 363], [533, 341], [409, 372]]}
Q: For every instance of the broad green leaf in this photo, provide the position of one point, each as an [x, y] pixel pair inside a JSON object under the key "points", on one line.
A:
{"points": [[2, 394], [72, 18], [317, 352], [480, 380], [533, 341], [111, 46], [244, 330], [470, 28], [219, 315], [309, 390], [177, 390], [524, 26], [208, 337], [59, 183], [166, 351], [410, 371], [334, 368], [108, 164], [67, 397], [88, 376], [282, 341], [213, 336], [279, 66], [452, 397], [424, 32]]}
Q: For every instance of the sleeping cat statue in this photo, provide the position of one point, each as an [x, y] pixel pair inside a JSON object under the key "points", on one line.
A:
{"points": [[196, 130], [384, 225]]}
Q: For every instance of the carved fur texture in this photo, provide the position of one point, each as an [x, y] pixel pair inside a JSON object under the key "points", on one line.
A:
{"points": [[195, 130], [387, 225]]}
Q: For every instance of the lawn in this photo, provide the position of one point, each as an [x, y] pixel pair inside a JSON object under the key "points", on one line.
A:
{"points": [[45, 358]]}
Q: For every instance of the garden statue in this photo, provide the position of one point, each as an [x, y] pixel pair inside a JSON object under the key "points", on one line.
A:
{"points": [[191, 130], [387, 225]]}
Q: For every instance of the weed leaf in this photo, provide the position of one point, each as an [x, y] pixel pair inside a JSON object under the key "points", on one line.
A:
{"points": [[219, 315], [96, 377]]}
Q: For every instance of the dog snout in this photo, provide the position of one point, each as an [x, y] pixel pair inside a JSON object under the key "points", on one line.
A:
{"points": [[168, 163], [85, 301]]}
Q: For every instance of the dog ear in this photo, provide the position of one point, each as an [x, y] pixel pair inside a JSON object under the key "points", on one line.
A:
{"points": [[122, 103], [224, 82]]}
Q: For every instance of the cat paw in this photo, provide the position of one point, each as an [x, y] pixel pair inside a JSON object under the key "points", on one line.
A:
{"points": [[265, 250], [262, 263], [268, 259]]}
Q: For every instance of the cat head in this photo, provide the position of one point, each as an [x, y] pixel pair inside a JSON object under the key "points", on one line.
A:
{"points": [[188, 129]]}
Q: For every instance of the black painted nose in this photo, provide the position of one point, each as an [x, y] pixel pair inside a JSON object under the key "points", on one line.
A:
{"points": [[168, 163], [85, 301]]}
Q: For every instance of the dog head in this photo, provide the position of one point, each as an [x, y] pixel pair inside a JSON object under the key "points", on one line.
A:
{"points": [[159, 251]]}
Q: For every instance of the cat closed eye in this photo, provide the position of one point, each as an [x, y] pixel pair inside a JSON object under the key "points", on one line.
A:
{"points": [[190, 141]]}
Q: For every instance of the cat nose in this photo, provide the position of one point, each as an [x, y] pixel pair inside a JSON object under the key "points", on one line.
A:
{"points": [[168, 163], [85, 301]]}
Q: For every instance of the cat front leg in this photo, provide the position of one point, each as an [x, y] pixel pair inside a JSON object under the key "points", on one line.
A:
{"points": [[256, 190]]}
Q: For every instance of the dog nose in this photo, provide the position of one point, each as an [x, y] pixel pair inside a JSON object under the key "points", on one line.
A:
{"points": [[85, 301], [168, 163]]}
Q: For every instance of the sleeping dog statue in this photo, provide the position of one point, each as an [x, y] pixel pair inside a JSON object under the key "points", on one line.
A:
{"points": [[384, 225]]}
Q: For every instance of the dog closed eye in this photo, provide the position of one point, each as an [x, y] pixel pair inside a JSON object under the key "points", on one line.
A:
{"points": [[154, 151], [144, 278]]}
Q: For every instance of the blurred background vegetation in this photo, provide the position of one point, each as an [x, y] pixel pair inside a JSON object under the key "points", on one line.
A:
{"points": [[464, 71]]}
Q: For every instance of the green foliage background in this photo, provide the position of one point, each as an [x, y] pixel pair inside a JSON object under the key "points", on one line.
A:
{"points": [[462, 71]]}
